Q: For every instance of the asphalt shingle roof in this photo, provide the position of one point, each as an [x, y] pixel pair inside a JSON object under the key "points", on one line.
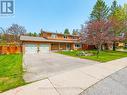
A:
{"points": [[41, 39]]}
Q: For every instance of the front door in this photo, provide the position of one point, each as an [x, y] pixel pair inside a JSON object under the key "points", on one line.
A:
{"points": [[68, 47]]}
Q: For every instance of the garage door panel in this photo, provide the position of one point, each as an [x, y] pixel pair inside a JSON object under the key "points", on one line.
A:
{"points": [[30, 48], [44, 48]]}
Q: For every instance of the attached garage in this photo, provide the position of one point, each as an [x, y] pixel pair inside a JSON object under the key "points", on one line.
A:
{"points": [[36, 48]]}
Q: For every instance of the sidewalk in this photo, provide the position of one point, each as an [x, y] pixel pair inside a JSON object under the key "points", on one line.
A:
{"points": [[71, 82], [115, 84]]}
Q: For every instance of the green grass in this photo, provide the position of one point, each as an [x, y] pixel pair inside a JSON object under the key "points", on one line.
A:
{"points": [[11, 71], [104, 56]]}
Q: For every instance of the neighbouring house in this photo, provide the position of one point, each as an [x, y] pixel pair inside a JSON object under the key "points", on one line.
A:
{"points": [[121, 45], [49, 41]]}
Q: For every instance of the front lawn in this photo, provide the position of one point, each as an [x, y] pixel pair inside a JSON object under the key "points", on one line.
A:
{"points": [[104, 56], [11, 71]]}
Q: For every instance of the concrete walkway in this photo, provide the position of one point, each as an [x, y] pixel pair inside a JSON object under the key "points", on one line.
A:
{"points": [[71, 82]]}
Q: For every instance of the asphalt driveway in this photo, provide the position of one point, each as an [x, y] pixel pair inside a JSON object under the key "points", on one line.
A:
{"points": [[41, 66]]}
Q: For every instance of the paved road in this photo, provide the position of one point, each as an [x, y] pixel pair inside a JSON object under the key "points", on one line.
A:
{"points": [[116, 84], [40, 66]]}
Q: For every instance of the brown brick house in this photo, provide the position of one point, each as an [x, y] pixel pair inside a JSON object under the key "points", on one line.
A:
{"points": [[50, 42]]}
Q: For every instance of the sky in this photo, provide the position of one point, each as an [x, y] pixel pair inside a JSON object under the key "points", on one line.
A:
{"points": [[51, 15]]}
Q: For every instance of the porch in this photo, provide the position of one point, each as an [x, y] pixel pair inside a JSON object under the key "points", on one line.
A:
{"points": [[62, 46]]}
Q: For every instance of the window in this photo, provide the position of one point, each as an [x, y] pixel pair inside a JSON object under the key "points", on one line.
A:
{"points": [[75, 37], [65, 37], [78, 45], [62, 44], [53, 44], [53, 36]]}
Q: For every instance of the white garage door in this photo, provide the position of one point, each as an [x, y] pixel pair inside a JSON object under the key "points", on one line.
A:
{"points": [[44, 48], [30, 48]]}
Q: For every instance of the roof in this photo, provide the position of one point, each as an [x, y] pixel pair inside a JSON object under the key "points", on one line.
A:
{"points": [[30, 38], [41, 39], [60, 33]]}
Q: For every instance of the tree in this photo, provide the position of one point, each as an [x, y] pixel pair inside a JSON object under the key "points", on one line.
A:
{"points": [[66, 31], [125, 21], [35, 34], [75, 32], [2, 35], [118, 18], [30, 34], [113, 8], [97, 33], [100, 11], [125, 16], [14, 31]]}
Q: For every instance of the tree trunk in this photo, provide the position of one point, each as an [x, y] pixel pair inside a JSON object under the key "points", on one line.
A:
{"points": [[102, 47], [98, 50], [98, 53], [114, 46]]}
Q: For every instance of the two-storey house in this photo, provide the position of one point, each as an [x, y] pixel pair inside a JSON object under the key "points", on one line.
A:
{"points": [[49, 41]]}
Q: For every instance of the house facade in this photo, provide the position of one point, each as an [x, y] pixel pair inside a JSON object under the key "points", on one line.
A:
{"points": [[49, 41]]}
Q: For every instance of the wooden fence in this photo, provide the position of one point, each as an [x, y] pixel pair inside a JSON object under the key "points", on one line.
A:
{"points": [[8, 49]]}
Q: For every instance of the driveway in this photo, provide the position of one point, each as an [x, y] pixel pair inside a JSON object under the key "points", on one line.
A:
{"points": [[41, 66]]}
